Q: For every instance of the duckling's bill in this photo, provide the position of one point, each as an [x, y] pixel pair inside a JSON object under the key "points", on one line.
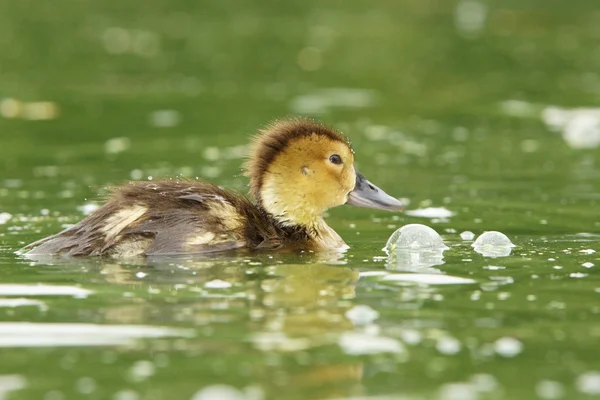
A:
{"points": [[365, 194]]}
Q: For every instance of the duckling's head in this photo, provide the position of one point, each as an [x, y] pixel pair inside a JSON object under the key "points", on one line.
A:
{"points": [[299, 168]]}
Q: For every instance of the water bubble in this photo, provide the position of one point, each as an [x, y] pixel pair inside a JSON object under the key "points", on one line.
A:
{"points": [[88, 208], [467, 235], [415, 248], [580, 126], [589, 382], [583, 132], [4, 217], [493, 244], [355, 343], [217, 284], [9, 383], [448, 345], [362, 315], [415, 236], [587, 264], [508, 347]]}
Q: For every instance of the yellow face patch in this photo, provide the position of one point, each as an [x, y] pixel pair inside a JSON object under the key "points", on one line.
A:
{"points": [[304, 179]]}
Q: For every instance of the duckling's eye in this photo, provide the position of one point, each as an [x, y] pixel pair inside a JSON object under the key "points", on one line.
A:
{"points": [[336, 159]]}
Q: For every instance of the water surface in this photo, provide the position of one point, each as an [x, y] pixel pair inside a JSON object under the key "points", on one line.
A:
{"points": [[465, 106]]}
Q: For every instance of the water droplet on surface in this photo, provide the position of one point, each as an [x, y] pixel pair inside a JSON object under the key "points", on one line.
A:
{"points": [[217, 284], [508, 347], [355, 343], [587, 264], [362, 315], [5, 217], [467, 235], [589, 382], [9, 383], [448, 345], [430, 212]]}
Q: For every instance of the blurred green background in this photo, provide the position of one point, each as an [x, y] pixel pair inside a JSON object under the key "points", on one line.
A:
{"points": [[486, 108]]}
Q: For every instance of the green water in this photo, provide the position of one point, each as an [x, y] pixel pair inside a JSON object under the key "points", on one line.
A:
{"points": [[443, 104]]}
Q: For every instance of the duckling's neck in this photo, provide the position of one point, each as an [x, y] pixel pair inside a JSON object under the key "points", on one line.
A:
{"points": [[311, 228]]}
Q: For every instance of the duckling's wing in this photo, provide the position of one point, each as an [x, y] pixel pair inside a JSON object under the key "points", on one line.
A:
{"points": [[160, 218]]}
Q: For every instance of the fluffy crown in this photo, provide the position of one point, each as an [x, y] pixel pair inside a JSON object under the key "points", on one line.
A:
{"points": [[274, 138]]}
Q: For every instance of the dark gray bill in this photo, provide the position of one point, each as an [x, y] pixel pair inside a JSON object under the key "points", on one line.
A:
{"points": [[365, 194]]}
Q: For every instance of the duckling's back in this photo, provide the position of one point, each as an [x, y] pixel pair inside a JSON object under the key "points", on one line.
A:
{"points": [[169, 217]]}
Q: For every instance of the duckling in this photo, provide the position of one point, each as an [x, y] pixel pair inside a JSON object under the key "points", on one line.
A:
{"points": [[298, 169]]}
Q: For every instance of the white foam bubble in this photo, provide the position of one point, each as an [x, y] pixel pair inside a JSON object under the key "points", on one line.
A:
{"points": [[589, 382], [508, 347], [362, 314], [88, 208], [467, 235], [5, 217], [414, 236], [448, 345], [217, 284], [430, 212], [580, 127], [493, 244], [9, 383], [355, 343]]}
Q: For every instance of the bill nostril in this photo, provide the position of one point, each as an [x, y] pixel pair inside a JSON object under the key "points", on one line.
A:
{"points": [[372, 187]]}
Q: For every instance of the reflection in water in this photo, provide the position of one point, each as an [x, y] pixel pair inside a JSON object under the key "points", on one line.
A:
{"points": [[282, 310], [420, 260], [488, 250]]}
